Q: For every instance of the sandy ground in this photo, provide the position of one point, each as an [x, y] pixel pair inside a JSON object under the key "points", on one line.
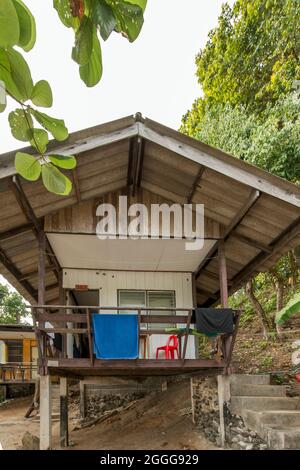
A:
{"points": [[154, 422]]}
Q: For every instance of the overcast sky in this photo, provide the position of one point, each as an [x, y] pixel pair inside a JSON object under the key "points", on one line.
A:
{"points": [[155, 75]]}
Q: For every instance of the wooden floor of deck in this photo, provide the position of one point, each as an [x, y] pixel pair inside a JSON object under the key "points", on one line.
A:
{"points": [[137, 368]]}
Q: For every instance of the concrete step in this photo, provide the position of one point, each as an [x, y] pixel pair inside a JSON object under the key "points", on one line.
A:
{"points": [[256, 379], [258, 390], [283, 438], [259, 421], [242, 403]]}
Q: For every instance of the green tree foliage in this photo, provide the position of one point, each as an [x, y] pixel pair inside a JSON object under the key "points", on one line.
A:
{"points": [[250, 108], [270, 140], [12, 306], [252, 56], [91, 21]]}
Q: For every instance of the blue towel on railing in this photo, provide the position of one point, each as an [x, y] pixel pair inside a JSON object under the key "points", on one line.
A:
{"points": [[116, 336]]}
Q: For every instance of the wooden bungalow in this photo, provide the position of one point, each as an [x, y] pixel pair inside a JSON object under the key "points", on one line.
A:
{"points": [[50, 253], [18, 357]]}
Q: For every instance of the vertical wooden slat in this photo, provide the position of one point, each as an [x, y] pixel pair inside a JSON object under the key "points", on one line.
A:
{"points": [[188, 323], [223, 274], [88, 320]]}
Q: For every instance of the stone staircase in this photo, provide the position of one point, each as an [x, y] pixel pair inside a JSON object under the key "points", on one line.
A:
{"points": [[267, 410]]}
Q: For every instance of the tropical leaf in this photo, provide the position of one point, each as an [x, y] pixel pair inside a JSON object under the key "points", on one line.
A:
{"points": [[42, 94], [83, 47], [27, 166], [20, 122], [104, 17], [27, 26], [67, 162], [55, 126], [19, 75], [129, 16], [291, 308], [64, 12], [55, 181], [9, 24], [39, 140], [91, 73]]}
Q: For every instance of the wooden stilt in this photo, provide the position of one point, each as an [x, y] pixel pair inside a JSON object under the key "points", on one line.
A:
{"points": [[227, 340], [64, 422], [223, 274], [45, 413], [224, 398]]}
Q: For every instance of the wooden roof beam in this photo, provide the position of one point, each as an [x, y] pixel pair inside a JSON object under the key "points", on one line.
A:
{"points": [[12, 269], [196, 184], [35, 273], [237, 219], [250, 242], [14, 232], [27, 210], [286, 237]]}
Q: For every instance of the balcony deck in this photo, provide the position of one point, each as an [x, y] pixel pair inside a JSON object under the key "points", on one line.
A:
{"points": [[81, 323], [79, 368]]}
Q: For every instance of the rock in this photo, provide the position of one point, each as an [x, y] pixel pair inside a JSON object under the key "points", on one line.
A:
{"points": [[263, 447], [30, 442], [242, 444], [249, 447], [218, 442]]}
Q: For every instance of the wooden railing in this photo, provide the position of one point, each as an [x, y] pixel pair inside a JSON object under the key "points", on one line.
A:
{"points": [[17, 372], [62, 316]]}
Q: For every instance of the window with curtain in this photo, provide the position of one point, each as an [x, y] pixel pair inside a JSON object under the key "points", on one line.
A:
{"points": [[14, 351], [150, 298]]}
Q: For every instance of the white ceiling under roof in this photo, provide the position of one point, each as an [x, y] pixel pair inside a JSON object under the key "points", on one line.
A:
{"points": [[88, 252]]}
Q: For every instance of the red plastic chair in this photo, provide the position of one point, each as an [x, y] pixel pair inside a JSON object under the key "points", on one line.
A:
{"points": [[169, 348]]}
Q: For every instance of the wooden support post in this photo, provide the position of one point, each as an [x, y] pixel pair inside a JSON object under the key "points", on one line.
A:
{"points": [[223, 274], [45, 413], [41, 283], [64, 426], [226, 342], [82, 399], [224, 398]]}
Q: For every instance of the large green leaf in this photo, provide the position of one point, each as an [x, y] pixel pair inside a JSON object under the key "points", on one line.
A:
{"points": [[140, 3], [104, 17], [91, 73], [42, 94], [130, 18], [9, 24], [27, 166], [64, 12], [20, 122], [67, 162], [2, 96], [83, 47], [40, 140], [55, 181], [55, 126], [291, 308], [20, 75], [27, 26]]}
